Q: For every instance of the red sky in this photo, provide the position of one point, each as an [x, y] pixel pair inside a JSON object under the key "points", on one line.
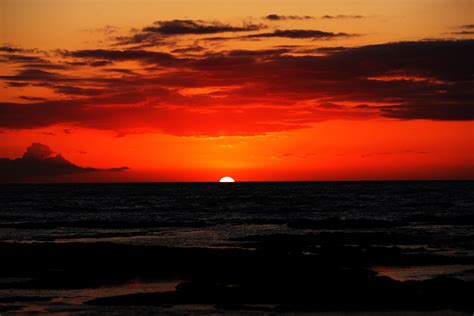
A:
{"points": [[260, 91]]}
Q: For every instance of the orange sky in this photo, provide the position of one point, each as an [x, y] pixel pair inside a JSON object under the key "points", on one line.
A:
{"points": [[258, 90]]}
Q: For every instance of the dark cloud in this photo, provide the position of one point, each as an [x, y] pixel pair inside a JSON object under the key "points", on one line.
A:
{"points": [[76, 63], [39, 114], [48, 66], [24, 59], [256, 53], [466, 29], [11, 49], [100, 63], [141, 40], [319, 50], [183, 27], [72, 90], [40, 162], [444, 60], [463, 33], [33, 75], [15, 49], [246, 92], [190, 49], [31, 98], [159, 33], [342, 16], [432, 110], [37, 151], [330, 49], [277, 17], [17, 84], [102, 55], [120, 70], [180, 120], [221, 38], [313, 34]]}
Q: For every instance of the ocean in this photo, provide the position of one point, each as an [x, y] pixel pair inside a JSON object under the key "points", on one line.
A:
{"points": [[212, 214], [430, 221]]}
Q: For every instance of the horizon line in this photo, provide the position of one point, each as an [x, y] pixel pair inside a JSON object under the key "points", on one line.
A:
{"points": [[237, 182]]}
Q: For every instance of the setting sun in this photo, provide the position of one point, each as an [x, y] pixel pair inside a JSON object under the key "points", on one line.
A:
{"points": [[226, 179]]}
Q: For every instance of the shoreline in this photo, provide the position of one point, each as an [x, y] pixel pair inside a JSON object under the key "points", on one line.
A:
{"points": [[334, 278]]}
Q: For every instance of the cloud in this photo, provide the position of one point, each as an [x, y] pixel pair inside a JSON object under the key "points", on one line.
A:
{"points": [[183, 27], [47, 66], [17, 84], [31, 98], [37, 151], [120, 70], [248, 92], [466, 29], [73, 90], [463, 33], [300, 34], [33, 75], [342, 16], [40, 162], [432, 110], [330, 49], [106, 56], [158, 33], [11, 49], [256, 53], [15, 58], [421, 58], [276, 17], [189, 49], [141, 40], [100, 63], [14, 49]]}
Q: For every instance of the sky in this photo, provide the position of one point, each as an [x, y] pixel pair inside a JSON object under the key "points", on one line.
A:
{"points": [[153, 90]]}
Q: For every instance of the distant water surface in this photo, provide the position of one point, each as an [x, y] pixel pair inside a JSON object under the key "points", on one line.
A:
{"points": [[438, 214]]}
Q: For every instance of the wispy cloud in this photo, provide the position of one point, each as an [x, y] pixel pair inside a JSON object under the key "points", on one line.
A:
{"points": [[277, 17], [341, 16], [300, 34]]}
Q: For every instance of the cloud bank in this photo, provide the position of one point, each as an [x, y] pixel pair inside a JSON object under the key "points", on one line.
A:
{"points": [[39, 162], [198, 90]]}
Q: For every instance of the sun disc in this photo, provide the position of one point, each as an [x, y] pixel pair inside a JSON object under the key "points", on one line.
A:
{"points": [[226, 179]]}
